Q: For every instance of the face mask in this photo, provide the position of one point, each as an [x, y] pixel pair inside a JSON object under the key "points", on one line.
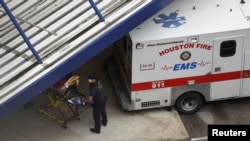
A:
{"points": [[89, 80]]}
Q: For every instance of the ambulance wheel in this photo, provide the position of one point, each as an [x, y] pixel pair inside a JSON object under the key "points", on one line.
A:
{"points": [[189, 103]]}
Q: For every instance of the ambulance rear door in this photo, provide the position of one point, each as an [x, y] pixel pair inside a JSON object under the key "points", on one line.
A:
{"points": [[227, 67]]}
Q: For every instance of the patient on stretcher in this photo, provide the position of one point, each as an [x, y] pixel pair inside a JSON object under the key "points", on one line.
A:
{"points": [[63, 83], [64, 93], [69, 81], [77, 100]]}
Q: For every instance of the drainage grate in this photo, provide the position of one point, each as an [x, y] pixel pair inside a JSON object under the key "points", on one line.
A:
{"points": [[150, 103]]}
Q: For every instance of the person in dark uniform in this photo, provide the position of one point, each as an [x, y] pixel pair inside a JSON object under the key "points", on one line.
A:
{"points": [[98, 99]]}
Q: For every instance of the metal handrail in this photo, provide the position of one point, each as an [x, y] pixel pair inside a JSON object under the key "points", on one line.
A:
{"points": [[21, 32], [97, 10]]}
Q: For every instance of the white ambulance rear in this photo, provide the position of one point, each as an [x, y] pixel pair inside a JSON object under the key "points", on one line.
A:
{"points": [[191, 52]]}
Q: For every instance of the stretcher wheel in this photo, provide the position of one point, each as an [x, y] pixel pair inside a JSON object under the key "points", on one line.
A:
{"points": [[65, 125], [78, 118]]}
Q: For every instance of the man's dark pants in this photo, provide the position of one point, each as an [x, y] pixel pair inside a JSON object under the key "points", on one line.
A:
{"points": [[98, 112]]}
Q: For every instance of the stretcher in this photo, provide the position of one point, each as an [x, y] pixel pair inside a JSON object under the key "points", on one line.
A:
{"points": [[66, 103]]}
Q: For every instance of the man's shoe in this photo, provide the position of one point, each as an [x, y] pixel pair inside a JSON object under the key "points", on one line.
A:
{"points": [[95, 130], [104, 123]]}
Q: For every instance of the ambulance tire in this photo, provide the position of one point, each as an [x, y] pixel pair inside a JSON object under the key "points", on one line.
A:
{"points": [[189, 103]]}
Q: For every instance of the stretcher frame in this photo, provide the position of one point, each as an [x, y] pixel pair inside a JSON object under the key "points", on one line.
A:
{"points": [[59, 102]]}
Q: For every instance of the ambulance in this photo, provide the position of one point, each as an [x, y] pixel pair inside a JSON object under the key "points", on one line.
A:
{"points": [[189, 53]]}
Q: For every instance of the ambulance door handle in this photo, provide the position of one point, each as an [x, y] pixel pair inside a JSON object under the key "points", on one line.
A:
{"points": [[245, 74], [217, 69]]}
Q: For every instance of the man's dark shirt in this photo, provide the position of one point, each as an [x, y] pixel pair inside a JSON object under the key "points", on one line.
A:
{"points": [[97, 93]]}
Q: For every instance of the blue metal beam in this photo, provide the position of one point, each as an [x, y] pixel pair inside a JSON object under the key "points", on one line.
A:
{"points": [[97, 11], [83, 56], [21, 32]]}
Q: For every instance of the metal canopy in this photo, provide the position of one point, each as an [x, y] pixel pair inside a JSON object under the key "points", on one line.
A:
{"points": [[65, 34]]}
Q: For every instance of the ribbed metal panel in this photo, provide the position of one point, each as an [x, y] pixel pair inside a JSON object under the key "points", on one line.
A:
{"points": [[66, 34]]}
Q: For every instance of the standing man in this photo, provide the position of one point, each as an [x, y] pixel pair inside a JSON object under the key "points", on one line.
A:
{"points": [[98, 100]]}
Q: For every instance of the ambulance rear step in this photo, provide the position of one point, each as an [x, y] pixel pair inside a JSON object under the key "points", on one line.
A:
{"points": [[119, 87]]}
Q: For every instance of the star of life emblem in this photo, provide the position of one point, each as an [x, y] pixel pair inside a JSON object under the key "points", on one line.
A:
{"points": [[170, 21]]}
